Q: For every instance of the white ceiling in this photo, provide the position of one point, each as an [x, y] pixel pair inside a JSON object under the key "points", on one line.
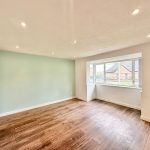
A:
{"points": [[52, 26]]}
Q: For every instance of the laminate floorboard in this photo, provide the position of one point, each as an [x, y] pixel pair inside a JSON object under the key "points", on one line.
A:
{"points": [[75, 125]]}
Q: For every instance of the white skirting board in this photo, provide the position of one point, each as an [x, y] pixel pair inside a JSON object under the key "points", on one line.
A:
{"points": [[33, 107], [127, 105], [81, 99], [122, 104]]}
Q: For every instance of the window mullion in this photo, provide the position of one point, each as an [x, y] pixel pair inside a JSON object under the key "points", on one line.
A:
{"points": [[133, 72], [104, 73], [94, 73], [139, 73], [119, 72]]}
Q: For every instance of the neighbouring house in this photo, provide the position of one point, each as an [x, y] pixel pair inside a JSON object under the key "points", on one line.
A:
{"points": [[125, 70]]}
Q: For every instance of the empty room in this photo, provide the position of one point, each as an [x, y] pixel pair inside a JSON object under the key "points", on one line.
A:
{"points": [[74, 75]]}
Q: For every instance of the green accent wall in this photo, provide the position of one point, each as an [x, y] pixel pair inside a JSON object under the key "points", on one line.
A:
{"points": [[29, 80]]}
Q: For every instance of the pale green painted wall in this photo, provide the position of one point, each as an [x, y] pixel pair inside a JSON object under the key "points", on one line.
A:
{"points": [[28, 80]]}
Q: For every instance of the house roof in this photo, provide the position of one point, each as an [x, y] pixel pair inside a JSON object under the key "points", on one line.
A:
{"points": [[127, 65]]}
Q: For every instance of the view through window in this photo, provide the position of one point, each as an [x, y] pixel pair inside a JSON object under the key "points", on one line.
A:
{"points": [[123, 73], [91, 73], [99, 73]]}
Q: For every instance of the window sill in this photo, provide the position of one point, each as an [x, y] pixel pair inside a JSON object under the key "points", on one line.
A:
{"points": [[120, 86]]}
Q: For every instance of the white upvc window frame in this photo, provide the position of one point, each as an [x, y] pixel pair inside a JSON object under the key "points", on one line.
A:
{"points": [[119, 62]]}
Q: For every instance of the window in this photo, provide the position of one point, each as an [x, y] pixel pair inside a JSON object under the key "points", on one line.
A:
{"points": [[99, 77], [91, 74], [126, 75], [136, 72], [119, 73], [112, 73]]}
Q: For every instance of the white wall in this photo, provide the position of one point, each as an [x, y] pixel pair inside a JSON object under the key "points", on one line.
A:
{"points": [[130, 97], [81, 87], [146, 83], [91, 92], [80, 71]]}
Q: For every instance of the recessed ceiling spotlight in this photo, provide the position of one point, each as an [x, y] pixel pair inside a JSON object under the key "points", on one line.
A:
{"points": [[135, 12], [23, 24], [148, 36], [17, 46], [74, 42]]}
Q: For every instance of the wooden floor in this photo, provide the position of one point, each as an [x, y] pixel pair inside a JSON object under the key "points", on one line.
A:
{"points": [[75, 125]]}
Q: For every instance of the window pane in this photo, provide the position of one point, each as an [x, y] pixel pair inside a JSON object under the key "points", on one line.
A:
{"points": [[91, 73], [112, 73], [100, 73], [126, 73], [136, 72]]}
